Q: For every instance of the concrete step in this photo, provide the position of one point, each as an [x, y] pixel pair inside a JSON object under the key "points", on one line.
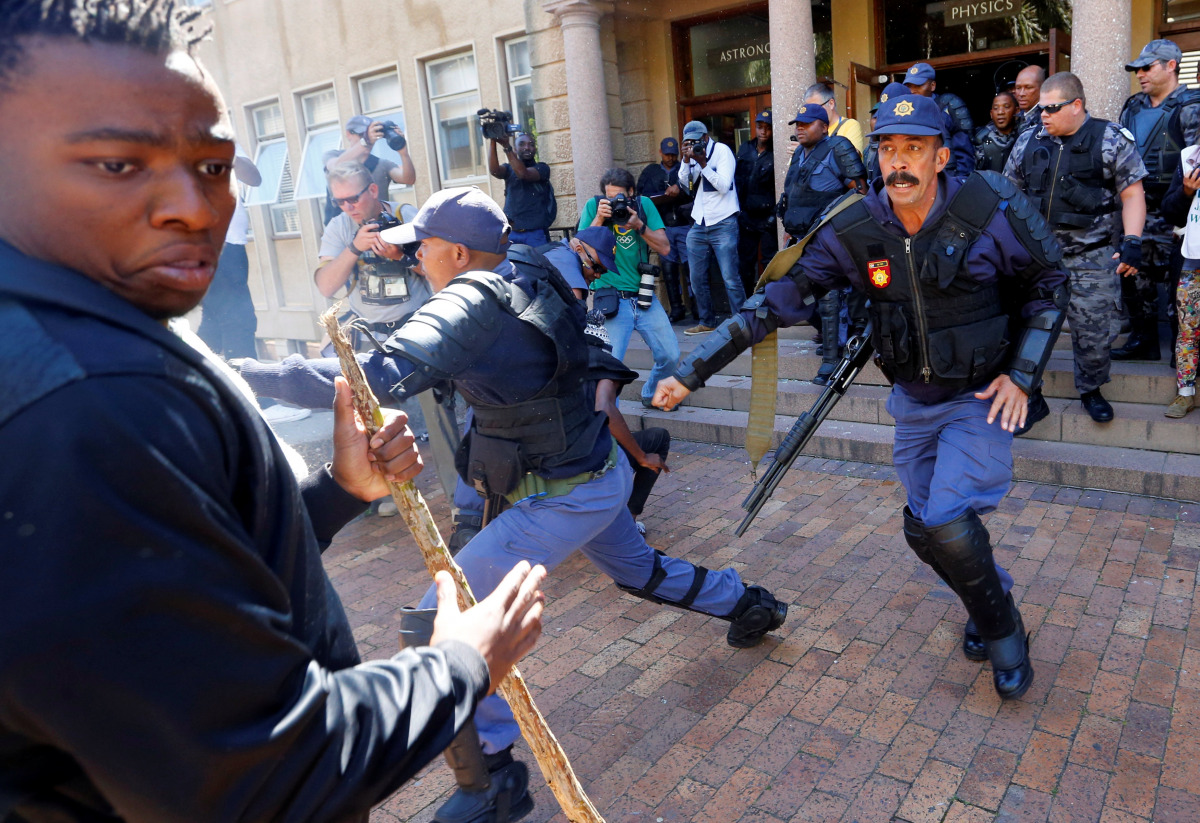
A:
{"points": [[1135, 425], [1111, 468]]}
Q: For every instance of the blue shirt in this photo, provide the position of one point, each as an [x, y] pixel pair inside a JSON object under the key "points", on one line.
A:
{"points": [[529, 205]]}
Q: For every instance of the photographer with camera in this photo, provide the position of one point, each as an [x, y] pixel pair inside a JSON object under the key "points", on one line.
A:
{"points": [[529, 202], [626, 296], [360, 136]]}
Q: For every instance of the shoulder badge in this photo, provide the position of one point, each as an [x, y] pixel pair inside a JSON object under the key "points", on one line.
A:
{"points": [[1128, 134], [879, 273]]}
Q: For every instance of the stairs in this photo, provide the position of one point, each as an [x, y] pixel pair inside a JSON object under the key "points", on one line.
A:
{"points": [[1140, 452]]}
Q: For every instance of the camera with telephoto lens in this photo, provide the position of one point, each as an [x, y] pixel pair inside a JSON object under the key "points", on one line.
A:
{"points": [[391, 133], [622, 209], [646, 285], [496, 124]]}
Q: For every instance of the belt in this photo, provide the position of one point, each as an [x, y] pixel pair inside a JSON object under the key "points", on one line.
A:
{"points": [[628, 295], [535, 486]]}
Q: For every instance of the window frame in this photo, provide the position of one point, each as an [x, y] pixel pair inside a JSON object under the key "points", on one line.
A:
{"points": [[513, 82], [435, 123], [315, 138], [399, 114], [281, 207]]}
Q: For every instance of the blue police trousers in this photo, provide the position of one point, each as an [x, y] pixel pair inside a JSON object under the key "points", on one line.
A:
{"points": [[950, 459], [594, 518]]}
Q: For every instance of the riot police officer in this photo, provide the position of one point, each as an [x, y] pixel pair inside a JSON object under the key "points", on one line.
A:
{"points": [[1080, 172], [510, 336], [754, 179], [994, 142], [934, 255], [822, 169], [920, 79], [1164, 117]]}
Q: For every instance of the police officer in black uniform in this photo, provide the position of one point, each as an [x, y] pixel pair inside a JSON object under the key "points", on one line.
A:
{"points": [[504, 327], [995, 141], [952, 269], [755, 182], [1164, 118], [660, 182], [920, 79]]}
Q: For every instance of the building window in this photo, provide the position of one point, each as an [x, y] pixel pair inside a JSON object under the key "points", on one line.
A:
{"points": [[271, 157], [520, 82], [454, 101], [917, 30], [321, 135], [379, 98]]}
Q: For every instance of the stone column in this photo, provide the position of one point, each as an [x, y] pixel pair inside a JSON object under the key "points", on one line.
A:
{"points": [[587, 100], [1100, 48], [793, 69]]}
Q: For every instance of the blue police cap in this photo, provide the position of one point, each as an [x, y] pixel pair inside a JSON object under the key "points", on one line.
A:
{"points": [[893, 90], [919, 74], [764, 116], [602, 239], [460, 215], [810, 112], [909, 114], [669, 145]]}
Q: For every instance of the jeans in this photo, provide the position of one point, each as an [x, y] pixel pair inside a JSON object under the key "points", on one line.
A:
{"points": [[227, 320], [655, 328], [677, 236], [704, 243]]}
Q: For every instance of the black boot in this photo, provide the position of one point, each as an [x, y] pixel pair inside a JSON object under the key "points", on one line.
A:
{"points": [[466, 526], [964, 551], [506, 798], [914, 533], [1142, 343], [756, 613], [1038, 410], [830, 351], [674, 296]]}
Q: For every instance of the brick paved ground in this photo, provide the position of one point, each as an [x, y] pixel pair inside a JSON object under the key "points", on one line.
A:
{"points": [[862, 708]]}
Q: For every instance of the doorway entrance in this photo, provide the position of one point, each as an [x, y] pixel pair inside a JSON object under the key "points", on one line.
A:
{"points": [[729, 121]]}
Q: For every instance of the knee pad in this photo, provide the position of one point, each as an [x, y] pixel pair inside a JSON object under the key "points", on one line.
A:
{"points": [[962, 546]]}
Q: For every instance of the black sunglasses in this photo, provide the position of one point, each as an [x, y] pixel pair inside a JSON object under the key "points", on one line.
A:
{"points": [[1055, 108], [338, 202]]}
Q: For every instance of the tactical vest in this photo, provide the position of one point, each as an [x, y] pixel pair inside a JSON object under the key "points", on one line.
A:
{"points": [[1065, 180], [1159, 137], [380, 280], [556, 426], [804, 204], [931, 320], [993, 149]]}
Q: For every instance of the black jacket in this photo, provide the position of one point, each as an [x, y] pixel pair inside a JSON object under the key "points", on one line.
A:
{"points": [[170, 646], [755, 180], [1176, 203]]}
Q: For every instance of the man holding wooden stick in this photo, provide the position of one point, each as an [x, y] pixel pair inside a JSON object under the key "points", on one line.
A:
{"points": [[510, 337], [170, 647]]}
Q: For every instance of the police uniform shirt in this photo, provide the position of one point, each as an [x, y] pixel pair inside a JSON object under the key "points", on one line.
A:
{"points": [[1122, 168], [1031, 119], [339, 234], [527, 203], [631, 246]]}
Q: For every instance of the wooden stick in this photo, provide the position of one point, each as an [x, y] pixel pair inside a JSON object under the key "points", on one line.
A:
{"points": [[551, 759]]}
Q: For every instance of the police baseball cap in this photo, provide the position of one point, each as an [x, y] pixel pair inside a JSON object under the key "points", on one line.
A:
{"points": [[764, 116], [461, 215], [602, 239], [893, 90], [358, 124], [909, 114], [810, 112], [694, 130], [669, 145], [919, 74], [1156, 50]]}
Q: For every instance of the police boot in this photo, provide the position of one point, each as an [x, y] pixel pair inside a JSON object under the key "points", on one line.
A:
{"points": [[674, 296], [1142, 343], [756, 613], [964, 550], [914, 533], [506, 796], [830, 320], [466, 526]]}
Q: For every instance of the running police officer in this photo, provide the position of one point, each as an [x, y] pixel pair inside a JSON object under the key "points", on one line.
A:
{"points": [[995, 141], [934, 255], [511, 338], [754, 180], [1164, 117], [920, 79], [821, 170], [1080, 171]]}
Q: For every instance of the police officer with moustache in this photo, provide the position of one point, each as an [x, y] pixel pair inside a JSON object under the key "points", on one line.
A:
{"points": [[822, 169], [935, 256], [1080, 172], [755, 183], [994, 141], [1164, 117], [511, 339], [920, 79]]}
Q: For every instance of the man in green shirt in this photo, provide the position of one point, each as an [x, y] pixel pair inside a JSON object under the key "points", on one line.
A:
{"points": [[638, 232]]}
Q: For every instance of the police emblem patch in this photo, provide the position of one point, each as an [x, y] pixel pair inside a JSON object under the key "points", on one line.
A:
{"points": [[879, 272], [903, 108]]}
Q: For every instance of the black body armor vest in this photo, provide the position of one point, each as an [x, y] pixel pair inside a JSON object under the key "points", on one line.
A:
{"points": [[992, 149], [1065, 180], [932, 321], [1159, 137], [804, 204]]}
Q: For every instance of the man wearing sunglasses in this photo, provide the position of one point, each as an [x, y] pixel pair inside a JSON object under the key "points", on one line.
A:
{"points": [[1085, 177], [1164, 118]]}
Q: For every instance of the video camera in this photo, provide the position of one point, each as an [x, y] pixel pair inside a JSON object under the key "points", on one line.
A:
{"points": [[391, 133], [496, 124]]}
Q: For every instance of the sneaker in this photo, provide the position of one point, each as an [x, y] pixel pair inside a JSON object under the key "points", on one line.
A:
{"points": [[386, 507], [280, 413], [641, 527], [1181, 405], [699, 328]]}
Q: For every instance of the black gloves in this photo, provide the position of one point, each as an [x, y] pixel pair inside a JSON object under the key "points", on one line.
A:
{"points": [[1131, 251]]}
